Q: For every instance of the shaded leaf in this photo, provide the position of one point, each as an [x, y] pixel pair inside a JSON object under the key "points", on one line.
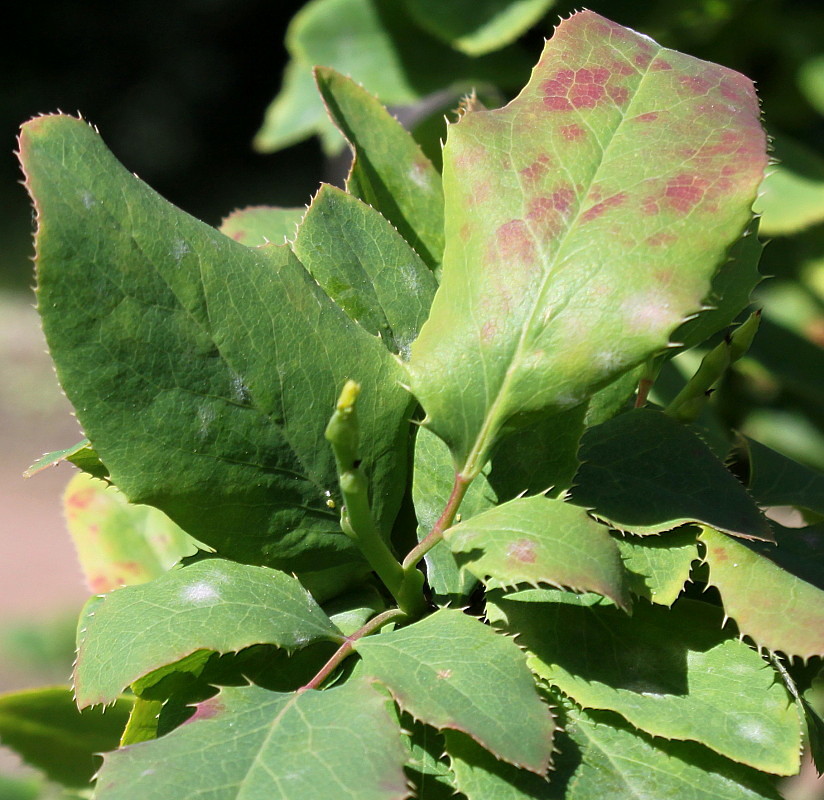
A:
{"points": [[478, 684], [389, 170], [429, 774], [215, 365], [248, 742], [481, 776], [622, 764], [82, 455], [541, 540], [117, 543], [645, 472], [476, 28], [366, 267], [257, 225], [210, 605], [659, 566], [775, 608], [729, 294], [44, 727], [776, 480], [648, 201], [670, 672]]}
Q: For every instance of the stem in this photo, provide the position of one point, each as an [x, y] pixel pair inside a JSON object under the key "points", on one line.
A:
{"points": [[459, 488], [357, 521], [647, 381], [348, 647]]}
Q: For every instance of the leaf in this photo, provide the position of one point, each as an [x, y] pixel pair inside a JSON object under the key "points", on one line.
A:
{"points": [[645, 472], [210, 605], [480, 776], [478, 684], [216, 366], [558, 280], [433, 477], [477, 28], [732, 287], [430, 776], [669, 672], [344, 742], [776, 480], [44, 727], [82, 455], [622, 764], [659, 566], [539, 459], [389, 171], [258, 225], [377, 44], [117, 543], [792, 195], [773, 607], [541, 540], [366, 267]]}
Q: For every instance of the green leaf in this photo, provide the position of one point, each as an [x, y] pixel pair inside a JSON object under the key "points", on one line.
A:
{"points": [[366, 267], [792, 195], [776, 480], [82, 455], [645, 472], [117, 543], [433, 477], [344, 742], [377, 44], [44, 727], [296, 113], [730, 293], [215, 365], [430, 776], [541, 456], [212, 605], [389, 170], [258, 225], [541, 540], [670, 672], [479, 684], [622, 764], [476, 28], [776, 609], [481, 776], [659, 566], [558, 280]]}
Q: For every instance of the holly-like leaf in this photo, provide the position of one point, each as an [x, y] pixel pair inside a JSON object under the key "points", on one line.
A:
{"points": [[82, 455], [477, 28], [215, 365], [209, 605], [541, 540], [344, 742], [622, 764], [659, 566], [257, 225], [645, 472], [117, 543], [479, 684], [389, 170], [776, 480], [670, 672], [366, 267], [480, 776], [44, 727], [584, 222], [775, 608]]}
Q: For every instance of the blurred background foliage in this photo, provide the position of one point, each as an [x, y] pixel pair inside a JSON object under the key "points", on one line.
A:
{"points": [[212, 103]]}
